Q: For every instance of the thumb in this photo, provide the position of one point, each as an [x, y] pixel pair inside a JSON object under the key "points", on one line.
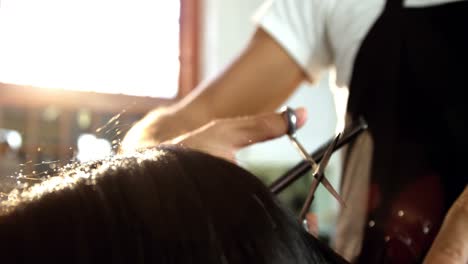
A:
{"points": [[255, 129]]}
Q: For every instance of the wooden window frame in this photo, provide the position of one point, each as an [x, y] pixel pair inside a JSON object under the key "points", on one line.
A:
{"points": [[190, 14], [33, 98], [189, 59]]}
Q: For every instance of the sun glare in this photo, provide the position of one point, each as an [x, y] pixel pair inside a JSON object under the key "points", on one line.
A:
{"points": [[110, 46]]}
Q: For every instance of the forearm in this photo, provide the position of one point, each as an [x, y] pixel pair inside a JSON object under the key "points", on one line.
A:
{"points": [[259, 80]]}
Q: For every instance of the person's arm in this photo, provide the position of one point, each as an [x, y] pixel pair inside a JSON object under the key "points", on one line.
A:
{"points": [[451, 244], [224, 137], [259, 80]]}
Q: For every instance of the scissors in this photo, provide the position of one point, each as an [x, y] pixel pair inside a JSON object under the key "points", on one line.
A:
{"points": [[317, 169]]}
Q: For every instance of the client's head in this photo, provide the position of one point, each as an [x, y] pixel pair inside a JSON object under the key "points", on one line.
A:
{"points": [[164, 205]]}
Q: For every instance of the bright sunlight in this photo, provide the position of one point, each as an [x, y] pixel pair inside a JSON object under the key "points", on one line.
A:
{"points": [[109, 46]]}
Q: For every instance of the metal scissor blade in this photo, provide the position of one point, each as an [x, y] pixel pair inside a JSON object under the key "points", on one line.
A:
{"points": [[296, 172], [327, 155], [320, 176], [316, 169], [304, 154], [332, 190], [313, 187]]}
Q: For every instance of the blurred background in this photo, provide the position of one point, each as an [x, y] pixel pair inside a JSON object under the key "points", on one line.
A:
{"points": [[75, 75]]}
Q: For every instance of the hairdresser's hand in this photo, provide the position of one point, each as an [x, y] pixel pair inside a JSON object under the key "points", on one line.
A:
{"points": [[159, 126], [451, 244], [224, 137]]}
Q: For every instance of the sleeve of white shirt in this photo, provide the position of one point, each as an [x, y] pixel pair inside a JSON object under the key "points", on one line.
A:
{"points": [[299, 26]]}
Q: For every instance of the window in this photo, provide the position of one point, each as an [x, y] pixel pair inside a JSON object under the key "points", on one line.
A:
{"points": [[109, 46]]}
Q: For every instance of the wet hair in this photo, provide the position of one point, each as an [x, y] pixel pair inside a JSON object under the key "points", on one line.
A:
{"points": [[166, 205]]}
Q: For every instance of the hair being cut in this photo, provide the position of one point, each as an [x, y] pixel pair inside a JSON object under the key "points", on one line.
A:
{"points": [[166, 205]]}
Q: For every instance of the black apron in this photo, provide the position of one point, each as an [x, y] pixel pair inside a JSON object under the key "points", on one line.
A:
{"points": [[408, 82]]}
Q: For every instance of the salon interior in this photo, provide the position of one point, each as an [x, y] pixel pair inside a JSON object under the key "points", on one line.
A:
{"points": [[76, 75], [73, 96]]}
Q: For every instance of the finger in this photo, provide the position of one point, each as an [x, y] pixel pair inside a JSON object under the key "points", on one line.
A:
{"points": [[301, 114], [255, 129], [451, 244], [140, 134], [312, 224]]}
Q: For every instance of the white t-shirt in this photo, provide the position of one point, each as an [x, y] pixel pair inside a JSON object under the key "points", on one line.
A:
{"points": [[320, 34]]}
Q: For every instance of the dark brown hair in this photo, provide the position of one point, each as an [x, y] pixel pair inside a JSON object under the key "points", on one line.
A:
{"points": [[166, 205]]}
